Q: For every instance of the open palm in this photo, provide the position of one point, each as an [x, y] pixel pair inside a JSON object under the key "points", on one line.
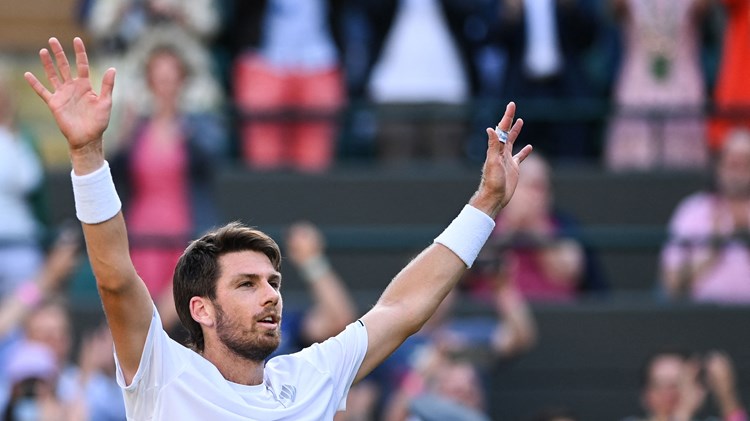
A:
{"points": [[501, 167], [81, 114]]}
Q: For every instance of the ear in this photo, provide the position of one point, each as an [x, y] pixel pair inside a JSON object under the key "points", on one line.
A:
{"points": [[202, 311]]}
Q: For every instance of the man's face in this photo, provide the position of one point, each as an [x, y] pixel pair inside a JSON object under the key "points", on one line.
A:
{"points": [[662, 393], [248, 305]]}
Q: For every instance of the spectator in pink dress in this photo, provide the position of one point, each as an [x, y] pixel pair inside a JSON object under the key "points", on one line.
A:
{"points": [[660, 93], [166, 166], [707, 257]]}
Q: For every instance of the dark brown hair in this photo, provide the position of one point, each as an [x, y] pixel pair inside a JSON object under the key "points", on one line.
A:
{"points": [[198, 269]]}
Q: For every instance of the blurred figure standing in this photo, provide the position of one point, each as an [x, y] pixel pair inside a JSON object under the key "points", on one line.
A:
{"points": [[165, 167], [660, 92], [419, 85], [287, 82], [547, 41], [126, 31], [21, 174]]}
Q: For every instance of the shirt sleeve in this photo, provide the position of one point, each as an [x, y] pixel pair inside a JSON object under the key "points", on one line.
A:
{"points": [[161, 361], [341, 357]]}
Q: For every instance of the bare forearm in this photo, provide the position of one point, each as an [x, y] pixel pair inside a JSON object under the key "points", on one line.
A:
{"points": [[517, 326], [12, 313], [106, 242], [729, 403], [333, 308], [422, 285], [730, 406], [107, 247], [417, 291], [408, 302]]}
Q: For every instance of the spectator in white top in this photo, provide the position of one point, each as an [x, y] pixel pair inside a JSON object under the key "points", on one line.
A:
{"points": [[21, 175], [419, 84]]}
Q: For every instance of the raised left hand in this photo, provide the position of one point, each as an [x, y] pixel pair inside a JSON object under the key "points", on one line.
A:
{"points": [[500, 171]]}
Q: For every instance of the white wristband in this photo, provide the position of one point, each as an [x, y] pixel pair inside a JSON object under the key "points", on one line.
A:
{"points": [[95, 196], [467, 234]]}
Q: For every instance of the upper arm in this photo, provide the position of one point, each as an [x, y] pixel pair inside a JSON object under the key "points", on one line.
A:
{"points": [[127, 303], [129, 312], [408, 302], [382, 340]]}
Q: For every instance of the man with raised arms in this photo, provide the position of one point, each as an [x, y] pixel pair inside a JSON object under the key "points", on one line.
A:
{"points": [[227, 285]]}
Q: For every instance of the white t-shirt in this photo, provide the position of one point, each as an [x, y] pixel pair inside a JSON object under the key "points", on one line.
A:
{"points": [[176, 383]]}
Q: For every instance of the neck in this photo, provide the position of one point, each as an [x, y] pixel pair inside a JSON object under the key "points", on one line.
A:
{"points": [[233, 367], [165, 109]]}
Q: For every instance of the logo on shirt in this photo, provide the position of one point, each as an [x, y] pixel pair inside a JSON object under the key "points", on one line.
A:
{"points": [[288, 394]]}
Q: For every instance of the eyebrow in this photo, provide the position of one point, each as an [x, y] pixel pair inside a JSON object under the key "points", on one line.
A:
{"points": [[241, 277]]}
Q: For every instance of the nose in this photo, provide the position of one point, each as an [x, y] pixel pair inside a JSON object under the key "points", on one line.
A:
{"points": [[271, 295]]}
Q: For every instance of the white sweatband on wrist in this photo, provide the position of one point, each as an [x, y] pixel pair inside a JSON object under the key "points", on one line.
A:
{"points": [[467, 234], [95, 196]]}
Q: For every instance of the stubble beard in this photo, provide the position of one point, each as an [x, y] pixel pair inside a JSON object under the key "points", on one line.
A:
{"points": [[248, 343]]}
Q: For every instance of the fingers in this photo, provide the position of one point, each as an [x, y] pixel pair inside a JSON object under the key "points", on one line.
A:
{"points": [[108, 83], [37, 86], [510, 112], [514, 132], [49, 68], [494, 145], [523, 153], [82, 60], [506, 124], [62, 61]]}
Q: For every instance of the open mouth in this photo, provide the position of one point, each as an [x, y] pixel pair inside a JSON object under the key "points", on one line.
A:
{"points": [[270, 322]]}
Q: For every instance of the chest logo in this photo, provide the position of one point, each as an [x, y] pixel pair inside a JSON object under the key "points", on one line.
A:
{"points": [[288, 394]]}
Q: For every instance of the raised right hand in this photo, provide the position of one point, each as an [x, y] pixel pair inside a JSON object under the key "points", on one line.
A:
{"points": [[305, 243], [81, 114]]}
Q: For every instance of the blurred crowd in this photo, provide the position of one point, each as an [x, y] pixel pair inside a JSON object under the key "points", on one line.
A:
{"points": [[631, 85]]}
